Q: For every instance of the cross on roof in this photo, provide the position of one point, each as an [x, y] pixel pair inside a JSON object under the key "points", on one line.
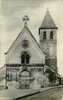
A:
{"points": [[25, 19]]}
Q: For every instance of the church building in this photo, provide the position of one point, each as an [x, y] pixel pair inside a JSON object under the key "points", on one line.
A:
{"points": [[26, 59]]}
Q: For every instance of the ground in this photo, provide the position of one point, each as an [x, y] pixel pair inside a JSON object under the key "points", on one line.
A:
{"points": [[12, 93]]}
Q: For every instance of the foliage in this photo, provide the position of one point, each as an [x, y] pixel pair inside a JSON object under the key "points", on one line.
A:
{"points": [[51, 75]]}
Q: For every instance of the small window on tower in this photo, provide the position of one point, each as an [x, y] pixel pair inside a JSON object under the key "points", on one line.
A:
{"points": [[44, 35], [51, 35]]}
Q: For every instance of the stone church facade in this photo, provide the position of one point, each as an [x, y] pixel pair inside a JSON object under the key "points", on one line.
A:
{"points": [[26, 60]]}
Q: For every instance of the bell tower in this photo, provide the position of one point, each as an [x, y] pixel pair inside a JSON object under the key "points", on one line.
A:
{"points": [[48, 40]]}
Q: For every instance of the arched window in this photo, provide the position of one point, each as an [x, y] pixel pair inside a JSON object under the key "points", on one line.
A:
{"points": [[25, 58], [51, 35], [44, 35]]}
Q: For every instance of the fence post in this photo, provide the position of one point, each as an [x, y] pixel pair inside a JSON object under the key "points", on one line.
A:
{"points": [[6, 87]]}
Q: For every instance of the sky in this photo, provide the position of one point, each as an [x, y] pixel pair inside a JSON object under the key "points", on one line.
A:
{"points": [[11, 24]]}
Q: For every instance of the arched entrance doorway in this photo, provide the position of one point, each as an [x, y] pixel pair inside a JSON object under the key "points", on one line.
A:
{"points": [[25, 77]]}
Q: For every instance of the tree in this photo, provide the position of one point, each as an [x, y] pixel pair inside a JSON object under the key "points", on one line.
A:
{"points": [[51, 75]]}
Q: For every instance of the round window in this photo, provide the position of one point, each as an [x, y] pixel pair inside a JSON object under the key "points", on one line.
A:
{"points": [[25, 43]]}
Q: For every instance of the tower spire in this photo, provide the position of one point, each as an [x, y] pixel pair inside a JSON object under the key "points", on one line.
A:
{"points": [[25, 20], [48, 21]]}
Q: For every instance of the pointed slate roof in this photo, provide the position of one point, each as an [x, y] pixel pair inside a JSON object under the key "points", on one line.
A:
{"points": [[48, 21]]}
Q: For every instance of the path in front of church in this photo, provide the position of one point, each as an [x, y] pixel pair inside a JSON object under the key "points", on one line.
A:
{"points": [[29, 94], [55, 94]]}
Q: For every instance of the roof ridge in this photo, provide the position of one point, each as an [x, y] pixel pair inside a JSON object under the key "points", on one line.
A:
{"points": [[18, 37], [14, 40]]}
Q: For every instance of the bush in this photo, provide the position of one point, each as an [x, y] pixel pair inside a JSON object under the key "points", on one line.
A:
{"points": [[51, 75]]}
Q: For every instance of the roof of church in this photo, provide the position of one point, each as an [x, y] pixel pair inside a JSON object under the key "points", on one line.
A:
{"points": [[48, 21], [25, 27]]}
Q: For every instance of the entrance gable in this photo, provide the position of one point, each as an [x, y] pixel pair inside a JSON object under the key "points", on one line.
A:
{"points": [[25, 42]]}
